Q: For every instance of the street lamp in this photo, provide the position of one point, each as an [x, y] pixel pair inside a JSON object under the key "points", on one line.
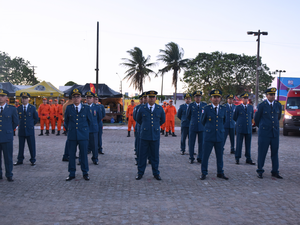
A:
{"points": [[279, 84], [257, 60]]}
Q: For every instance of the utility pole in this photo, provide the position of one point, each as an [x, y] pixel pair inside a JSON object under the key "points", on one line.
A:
{"points": [[33, 74], [257, 61], [97, 59], [279, 84]]}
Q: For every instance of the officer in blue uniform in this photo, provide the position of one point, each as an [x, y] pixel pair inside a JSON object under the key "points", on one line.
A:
{"points": [[196, 128], [185, 123], [150, 116], [137, 129], [28, 117], [229, 123], [8, 122], [94, 126], [100, 132], [243, 116], [267, 119], [77, 120], [213, 119]]}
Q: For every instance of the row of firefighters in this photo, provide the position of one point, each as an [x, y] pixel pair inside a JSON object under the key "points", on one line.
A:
{"points": [[167, 128]]}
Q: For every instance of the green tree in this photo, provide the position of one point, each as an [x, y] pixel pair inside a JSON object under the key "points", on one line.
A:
{"points": [[172, 57], [230, 73], [16, 71], [70, 83], [138, 68]]}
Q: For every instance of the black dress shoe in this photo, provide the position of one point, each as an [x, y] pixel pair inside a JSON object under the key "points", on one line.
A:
{"points": [[277, 175], [203, 177], [78, 163], [33, 164], [65, 160], [89, 152], [250, 162], [191, 161], [260, 176], [199, 160], [222, 176], [182, 153], [96, 163], [69, 178], [157, 177], [1, 177], [149, 162], [10, 179], [101, 153], [237, 161], [138, 177], [86, 177], [232, 152], [18, 163]]}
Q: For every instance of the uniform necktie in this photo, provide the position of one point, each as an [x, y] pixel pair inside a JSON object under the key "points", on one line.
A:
{"points": [[76, 109], [150, 109], [271, 106], [216, 110], [230, 107], [1, 109], [24, 109], [199, 106], [245, 108]]}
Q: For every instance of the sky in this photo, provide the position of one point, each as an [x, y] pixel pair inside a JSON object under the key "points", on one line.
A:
{"points": [[59, 37]]}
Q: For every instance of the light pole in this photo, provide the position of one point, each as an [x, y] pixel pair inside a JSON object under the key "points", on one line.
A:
{"points": [[279, 84], [257, 60]]}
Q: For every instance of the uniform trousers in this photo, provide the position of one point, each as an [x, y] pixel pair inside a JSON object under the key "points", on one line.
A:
{"points": [[151, 149], [100, 137], [239, 144], [131, 122], [83, 145], [7, 149], [31, 146], [66, 152], [52, 122], [184, 134], [59, 122], [170, 125], [207, 148], [93, 145], [43, 122], [192, 140], [230, 132], [263, 146]]}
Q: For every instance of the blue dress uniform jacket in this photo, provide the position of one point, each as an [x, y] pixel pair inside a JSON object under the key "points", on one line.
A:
{"points": [[185, 124], [8, 122], [149, 136], [102, 110], [213, 136], [78, 134], [243, 120], [267, 120], [137, 131], [26, 131], [229, 125], [196, 129]]}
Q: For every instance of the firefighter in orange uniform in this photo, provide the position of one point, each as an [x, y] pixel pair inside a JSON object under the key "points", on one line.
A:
{"points": [[59, 115], [52, 116], [129, 116], [163, 127], [170, 115], [44, 115]]}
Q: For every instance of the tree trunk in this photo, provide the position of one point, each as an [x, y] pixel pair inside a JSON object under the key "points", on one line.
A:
{"points": [[162, 85], [175, 93]]}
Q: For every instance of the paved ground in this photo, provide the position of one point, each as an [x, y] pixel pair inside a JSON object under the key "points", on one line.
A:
{"points": [[40, 194]]}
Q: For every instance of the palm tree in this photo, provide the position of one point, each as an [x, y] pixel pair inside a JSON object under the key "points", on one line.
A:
{"points": [[172, 57], [138, 68]]}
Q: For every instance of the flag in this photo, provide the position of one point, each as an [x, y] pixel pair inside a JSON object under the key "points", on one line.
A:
{"points": [[92, 87]]}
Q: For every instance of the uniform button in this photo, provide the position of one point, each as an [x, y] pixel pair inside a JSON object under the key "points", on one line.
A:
{"points": [[272, 112], [216, 120], [272, 116], [247, 123], [77, 115], [151, 121], [25, 126], [76, 119], [76, 123], [0, 120], [217, 116], [273, 126], [216, 129], [216, 124], [151, 114], [152, 125], [273, 121], [76, 127], [0, 130], [198, 121]]}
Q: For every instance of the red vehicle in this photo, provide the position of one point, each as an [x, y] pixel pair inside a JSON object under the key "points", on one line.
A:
{"points": [[291, 119]]}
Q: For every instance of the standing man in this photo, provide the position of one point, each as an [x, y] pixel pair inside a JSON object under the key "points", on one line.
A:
{"points": [[150, 116], [102, 111], [213, 120], [52, 115], [267, 119], [243, 116], [163, 126], [28, 117], [129, 116], [8, 122], [94, 126], [185, 123], [229, 123], [59, 115], [77, 120], [44, 114], [196, 128], [170, 114], [66, 151]]}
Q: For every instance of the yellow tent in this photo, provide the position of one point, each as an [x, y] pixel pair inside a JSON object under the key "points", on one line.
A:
{"points": [[43, 89]]}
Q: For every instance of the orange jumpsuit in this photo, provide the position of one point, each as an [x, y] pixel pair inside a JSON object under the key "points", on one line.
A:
{"points": [[52, 116], [170, 115], [44, 113], [163, 126], [59, 115], [129, 115]]}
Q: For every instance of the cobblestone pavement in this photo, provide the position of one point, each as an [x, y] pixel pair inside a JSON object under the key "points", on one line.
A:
{"points": [[40, 194]]}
